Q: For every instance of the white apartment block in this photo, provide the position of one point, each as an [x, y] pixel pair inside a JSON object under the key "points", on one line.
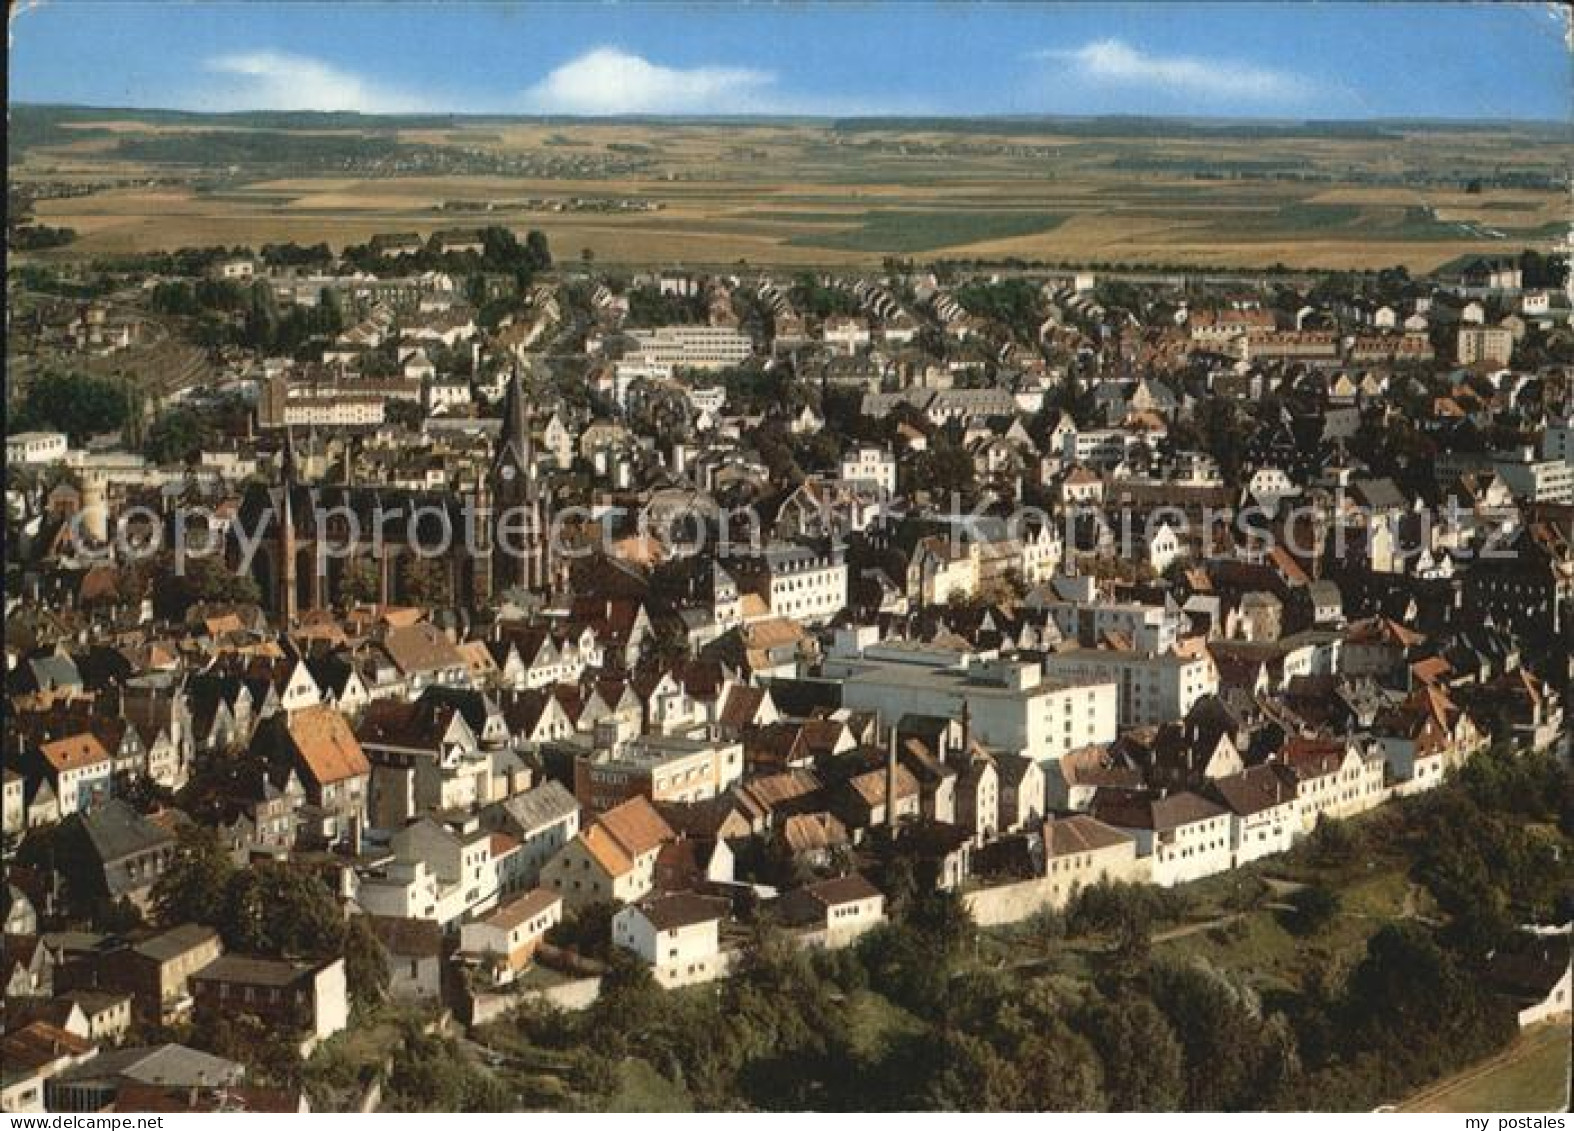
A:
{"points": [[1151, 629], [1537, 480], [1011, 706], [343, 410], [1099, 447], [1492, 345], [663, 767], [868, 464], [805, 584], [669, 348], [1152, 688], [35, 447]]}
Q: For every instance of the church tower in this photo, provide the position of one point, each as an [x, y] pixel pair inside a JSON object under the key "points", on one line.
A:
{"points": [[522, 555], [288, 596], [480, 548]]}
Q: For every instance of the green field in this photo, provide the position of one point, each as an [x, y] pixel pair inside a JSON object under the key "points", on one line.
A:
{"points": [[909, 232], [642, 1088], [1531, 1075]]}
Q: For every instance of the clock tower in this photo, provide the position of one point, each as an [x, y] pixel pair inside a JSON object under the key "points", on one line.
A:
{"points": [[521, 542]]}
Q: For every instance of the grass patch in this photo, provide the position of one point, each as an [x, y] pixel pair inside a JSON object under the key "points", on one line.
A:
{"points": [[1309, 219], [874, 1022], [340, 1068], [904, 232], [642, 1088], [1531, 1075], [1255, 945]]}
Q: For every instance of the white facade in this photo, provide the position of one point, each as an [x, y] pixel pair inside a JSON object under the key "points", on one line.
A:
{"points": [[668, 348], [1102, 447], [1413, 773], [845, 922], [866, 464], [1271, 830], [1556, 1003], [78, 786], [1152, 689], [1150, 628], [401, 890], [13, 814], [1548, 480], [36, 447], [441, 396], [346, 410], [805, 585], [711, 400], [1011, 705], [1189, 851], [1492, 345], [331, 990], [1354, 786], [511, 934], [679, 955], [847, 334], [436, 874]]}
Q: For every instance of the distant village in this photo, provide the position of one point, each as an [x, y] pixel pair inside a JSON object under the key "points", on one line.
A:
{"points": [[1031, 580]]}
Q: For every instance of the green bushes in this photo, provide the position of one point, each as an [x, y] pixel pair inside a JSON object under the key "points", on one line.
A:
{"points": [[1311, 910], [73, 403]]}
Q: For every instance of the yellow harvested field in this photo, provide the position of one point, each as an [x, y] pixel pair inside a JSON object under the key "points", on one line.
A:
{"points": [[812, 194]]}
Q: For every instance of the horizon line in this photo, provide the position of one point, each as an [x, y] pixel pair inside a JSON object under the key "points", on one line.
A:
{"points": [[893, 117]]}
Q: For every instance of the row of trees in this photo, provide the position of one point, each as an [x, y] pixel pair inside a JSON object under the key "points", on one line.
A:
{"points": [[501, 252], [39, 237], [78, 404], [1011, 302], [231, 313]]}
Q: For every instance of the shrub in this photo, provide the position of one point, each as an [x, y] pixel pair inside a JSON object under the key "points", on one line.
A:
{"points": [[1312, 909]]}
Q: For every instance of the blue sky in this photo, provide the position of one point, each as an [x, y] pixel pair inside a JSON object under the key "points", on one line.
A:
{"points": [[1281, 60]]}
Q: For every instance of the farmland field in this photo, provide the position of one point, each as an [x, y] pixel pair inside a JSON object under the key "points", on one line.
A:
{"points": [[906, 232], [805, 193]]}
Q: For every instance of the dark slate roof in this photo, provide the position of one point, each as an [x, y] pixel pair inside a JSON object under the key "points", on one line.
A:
{"points": [[1380, 494], [117, 831], [175, 942], [407, 938], [547, 803], [683, 909], [174, 1065], [239, 969]]}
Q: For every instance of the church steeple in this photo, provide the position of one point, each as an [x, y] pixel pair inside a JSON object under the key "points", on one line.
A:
{"points": [[515, 447], [289, 594], [525, 558]]}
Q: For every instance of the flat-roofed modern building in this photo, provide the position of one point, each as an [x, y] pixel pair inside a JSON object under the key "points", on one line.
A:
{"points": [[1011, 705]]}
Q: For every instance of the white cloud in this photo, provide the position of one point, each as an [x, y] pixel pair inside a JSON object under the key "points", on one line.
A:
{"points": [[608, 80], [1114, 62], [274, 80]]}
